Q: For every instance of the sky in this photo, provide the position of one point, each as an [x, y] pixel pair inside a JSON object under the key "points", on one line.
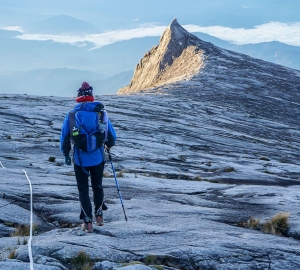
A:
{"points": [[237, 21]]}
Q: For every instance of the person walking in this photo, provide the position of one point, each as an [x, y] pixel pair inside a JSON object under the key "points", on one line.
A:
{"points": [[88, 127]]}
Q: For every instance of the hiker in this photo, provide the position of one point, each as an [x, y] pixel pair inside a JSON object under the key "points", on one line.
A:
{"points": [[89, 129]]}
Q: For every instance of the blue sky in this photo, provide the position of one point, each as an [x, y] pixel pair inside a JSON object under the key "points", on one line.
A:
{"points": [[237, 21]]}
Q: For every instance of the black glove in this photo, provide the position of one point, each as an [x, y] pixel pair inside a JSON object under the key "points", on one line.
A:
{"points": [[68, 160]]}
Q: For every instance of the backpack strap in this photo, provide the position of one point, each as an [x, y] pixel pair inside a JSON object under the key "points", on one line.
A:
{"points": [[72, 123], [72, 120], [103, 121]]}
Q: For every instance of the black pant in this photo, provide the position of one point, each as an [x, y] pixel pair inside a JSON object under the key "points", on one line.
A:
{"points": [[82, 178]]}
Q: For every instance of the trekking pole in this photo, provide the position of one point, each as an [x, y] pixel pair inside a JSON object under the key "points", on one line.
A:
{"points": [[112, 166]]}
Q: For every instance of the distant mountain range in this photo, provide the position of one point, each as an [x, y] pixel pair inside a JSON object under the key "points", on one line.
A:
{"points": [[34, 57], [60, 82], [63, 24], [26, 55], [113, 84], [274, 52]]}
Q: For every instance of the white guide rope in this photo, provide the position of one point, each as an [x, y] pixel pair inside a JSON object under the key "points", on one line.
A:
{"points": [[31, 217], [30, 238]]}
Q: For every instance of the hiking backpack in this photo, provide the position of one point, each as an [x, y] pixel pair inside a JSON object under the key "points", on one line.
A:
{"points": [[88, 129]]}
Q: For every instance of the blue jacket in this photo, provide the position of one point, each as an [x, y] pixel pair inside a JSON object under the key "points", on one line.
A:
{"points": [[83, 158]]}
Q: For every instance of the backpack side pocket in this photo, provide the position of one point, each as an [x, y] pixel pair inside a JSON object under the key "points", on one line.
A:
{"points": [[81, 141]]}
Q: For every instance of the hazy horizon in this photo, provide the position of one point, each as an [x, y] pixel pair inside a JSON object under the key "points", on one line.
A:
{"points": [[109, 37]]}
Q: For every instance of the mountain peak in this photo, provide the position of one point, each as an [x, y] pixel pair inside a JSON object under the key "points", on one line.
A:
{"points": [[183, 57], [174, 21], [165, 63], [177, 28], [175, 33]]}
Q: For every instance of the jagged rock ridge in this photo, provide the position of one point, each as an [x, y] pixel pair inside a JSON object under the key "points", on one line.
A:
{"points": [[176, 57], [181, 56]]}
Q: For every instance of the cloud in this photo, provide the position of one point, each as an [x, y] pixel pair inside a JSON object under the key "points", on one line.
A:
{"points": [[12, 28], [273, 31], [99, 40]]}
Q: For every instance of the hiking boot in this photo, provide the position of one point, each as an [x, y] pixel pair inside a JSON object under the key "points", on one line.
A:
{"points": [[87, 225], [99, 218]]}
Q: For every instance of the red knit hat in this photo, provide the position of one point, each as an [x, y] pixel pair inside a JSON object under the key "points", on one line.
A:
{"points": [[85, 93]]}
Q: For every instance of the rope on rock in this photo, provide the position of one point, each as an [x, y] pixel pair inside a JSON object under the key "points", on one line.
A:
{"points": [[31, 218], [31, 215]]}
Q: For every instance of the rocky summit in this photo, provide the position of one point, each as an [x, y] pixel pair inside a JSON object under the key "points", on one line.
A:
{"points": [[181, 56], [178, 56], [207, 160]]}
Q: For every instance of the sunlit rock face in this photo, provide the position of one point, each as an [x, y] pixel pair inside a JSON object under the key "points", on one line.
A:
{"points": [[177, 56]]}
